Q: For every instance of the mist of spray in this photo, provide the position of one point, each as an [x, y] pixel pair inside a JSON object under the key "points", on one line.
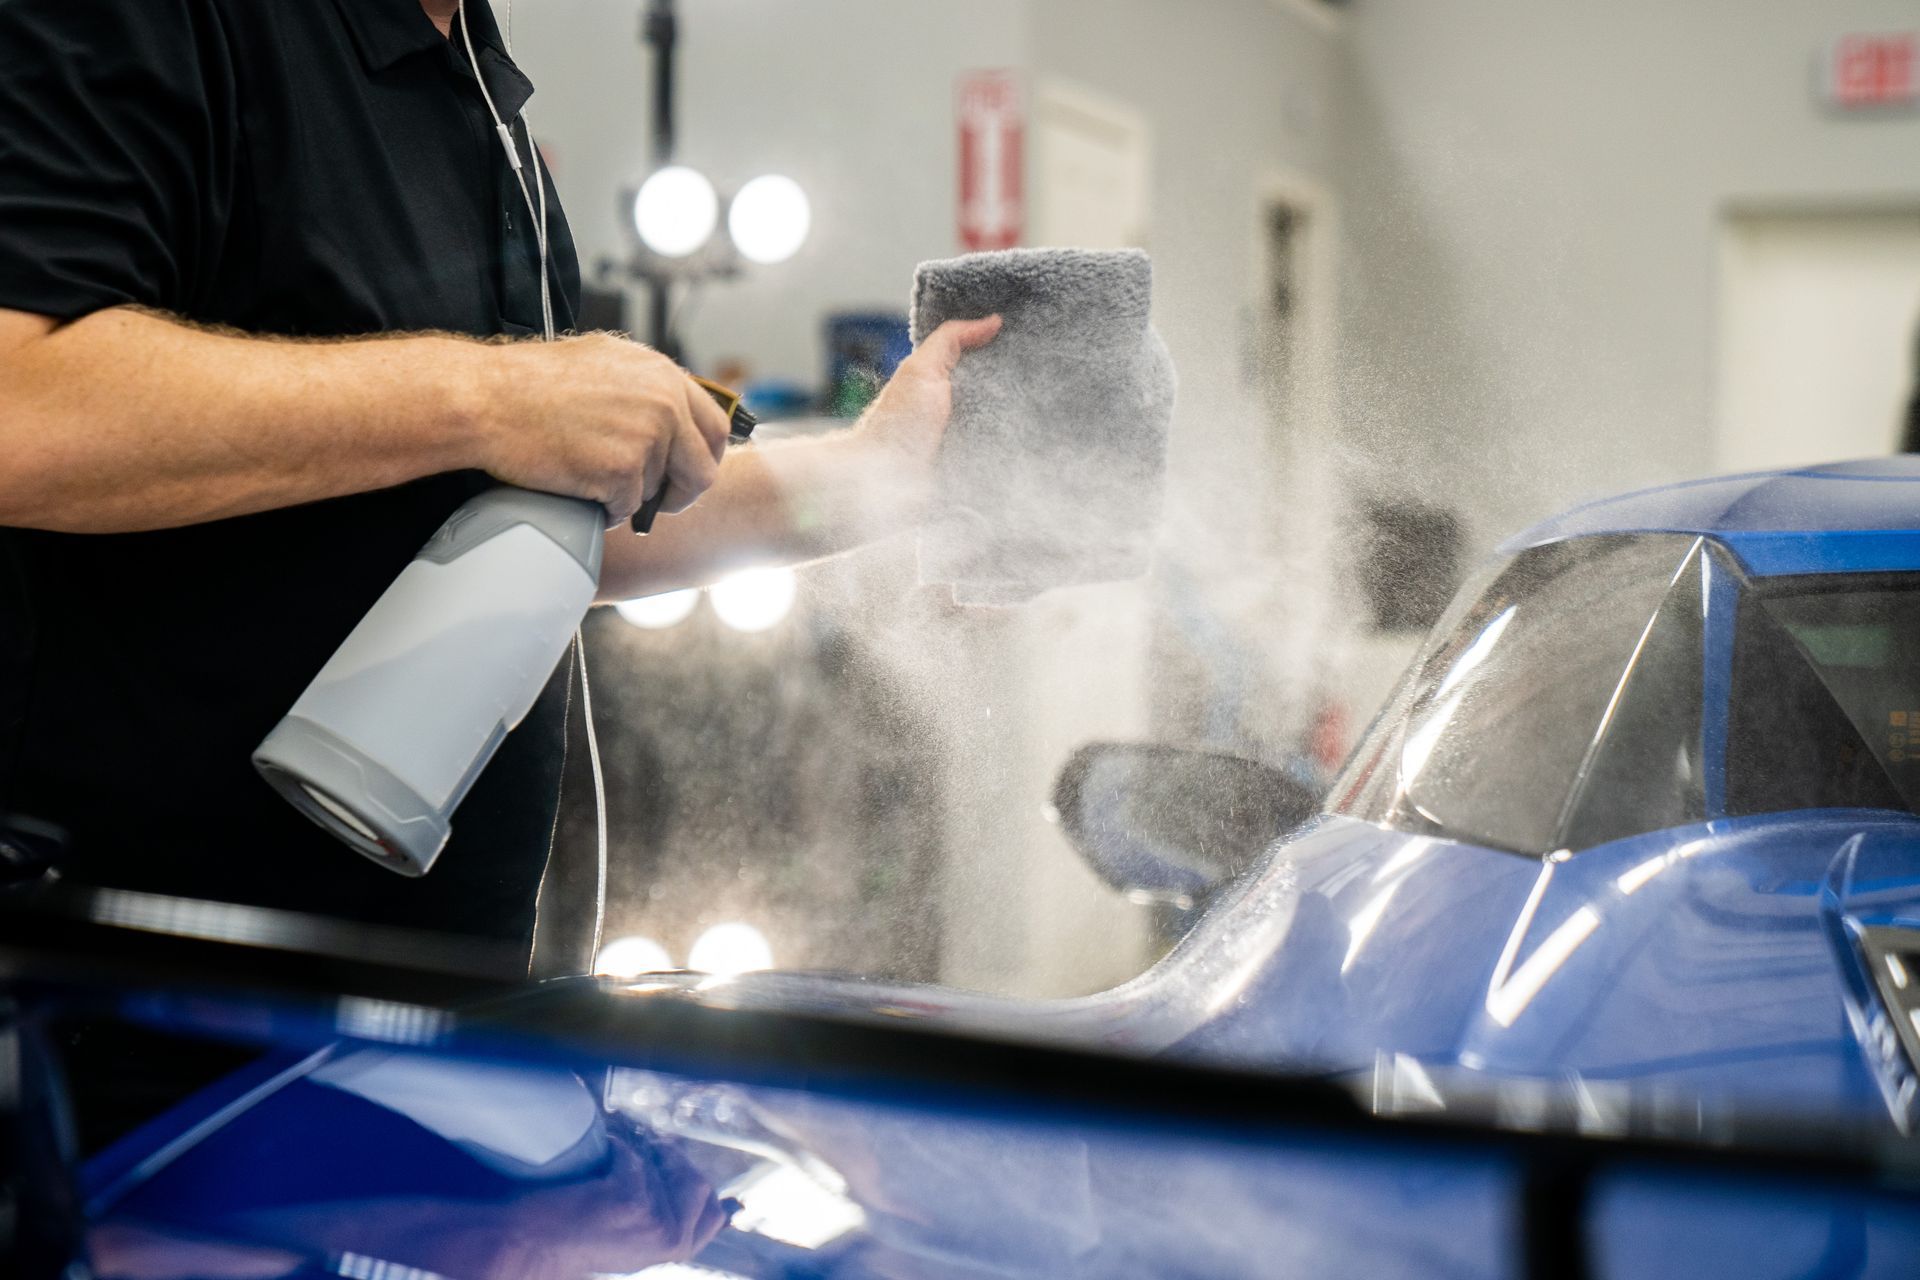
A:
{"points": [[868, 783]]}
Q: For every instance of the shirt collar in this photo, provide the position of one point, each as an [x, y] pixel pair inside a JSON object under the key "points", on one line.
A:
{"points": [[387, 31]]}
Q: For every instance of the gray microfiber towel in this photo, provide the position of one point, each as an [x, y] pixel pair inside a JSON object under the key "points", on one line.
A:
{"points": [[1053, 472]]}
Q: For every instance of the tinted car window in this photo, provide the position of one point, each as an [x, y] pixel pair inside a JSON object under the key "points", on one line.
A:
{"points": [[1500, 718], [1826, 697]]}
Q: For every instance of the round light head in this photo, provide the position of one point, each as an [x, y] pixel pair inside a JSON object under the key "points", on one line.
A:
{"points": [[769, 219], [657, 613], [756, 600], [729, 949], [676, 211]]}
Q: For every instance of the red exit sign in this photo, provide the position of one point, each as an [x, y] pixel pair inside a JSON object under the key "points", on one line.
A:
{"points": [[1874, 70]]}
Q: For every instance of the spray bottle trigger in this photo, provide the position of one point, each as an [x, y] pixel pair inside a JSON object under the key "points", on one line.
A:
{"points": [[740, 424], [644, 517]]}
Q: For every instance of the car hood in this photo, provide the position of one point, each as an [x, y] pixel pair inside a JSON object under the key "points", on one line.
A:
{"points": [[1702, 957]]}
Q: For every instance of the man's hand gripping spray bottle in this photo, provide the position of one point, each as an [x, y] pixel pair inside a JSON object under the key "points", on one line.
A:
{"points": [[384, 744]]}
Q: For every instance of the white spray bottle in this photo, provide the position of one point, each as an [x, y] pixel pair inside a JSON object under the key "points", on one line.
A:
{"points": [[384, 744]]}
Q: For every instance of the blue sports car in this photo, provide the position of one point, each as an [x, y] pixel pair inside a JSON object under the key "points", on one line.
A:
{"points": [[1643, 811], [1633, 843]]}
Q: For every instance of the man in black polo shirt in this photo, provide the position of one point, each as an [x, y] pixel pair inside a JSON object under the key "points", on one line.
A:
{"points": [[209, 469]]}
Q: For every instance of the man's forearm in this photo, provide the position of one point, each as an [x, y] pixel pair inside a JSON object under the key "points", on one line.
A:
{"points": [[806, 499], [780, 503], [126, 420]]}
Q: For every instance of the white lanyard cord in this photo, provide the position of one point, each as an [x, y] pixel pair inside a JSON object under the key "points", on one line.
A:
{"points": [[505, 133], [539, 213]]}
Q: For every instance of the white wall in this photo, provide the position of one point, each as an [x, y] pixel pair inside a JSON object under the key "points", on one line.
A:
{"points": [[1533, 195], [1816, 336]]}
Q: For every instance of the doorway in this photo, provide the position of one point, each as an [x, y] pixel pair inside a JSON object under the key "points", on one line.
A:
{"points": [[1819, 313]]}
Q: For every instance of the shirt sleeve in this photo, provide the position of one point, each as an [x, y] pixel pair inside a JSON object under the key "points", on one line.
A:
{"points": [[117, 128]]}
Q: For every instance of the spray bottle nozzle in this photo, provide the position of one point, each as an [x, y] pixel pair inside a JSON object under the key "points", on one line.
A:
{"points": [[740, 419]]}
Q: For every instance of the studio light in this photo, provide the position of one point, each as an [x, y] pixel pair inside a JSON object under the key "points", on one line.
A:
{"points": [[757, 599], [657, 613], [676, 211], [729, 949], [769, 219], [632, 956]]}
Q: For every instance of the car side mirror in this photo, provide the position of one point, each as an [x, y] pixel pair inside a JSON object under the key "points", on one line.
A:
{"points": [[1169, 825]]}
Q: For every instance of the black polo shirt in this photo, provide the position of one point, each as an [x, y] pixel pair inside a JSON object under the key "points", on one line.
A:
{"points": [[311, 168]]}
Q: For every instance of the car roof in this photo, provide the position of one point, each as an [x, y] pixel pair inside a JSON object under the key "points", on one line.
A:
{"points": [[1842, 517]]}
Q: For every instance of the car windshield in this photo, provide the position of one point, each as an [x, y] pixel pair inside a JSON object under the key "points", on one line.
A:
{"points": [[1565, 665], [1573, 696]]}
